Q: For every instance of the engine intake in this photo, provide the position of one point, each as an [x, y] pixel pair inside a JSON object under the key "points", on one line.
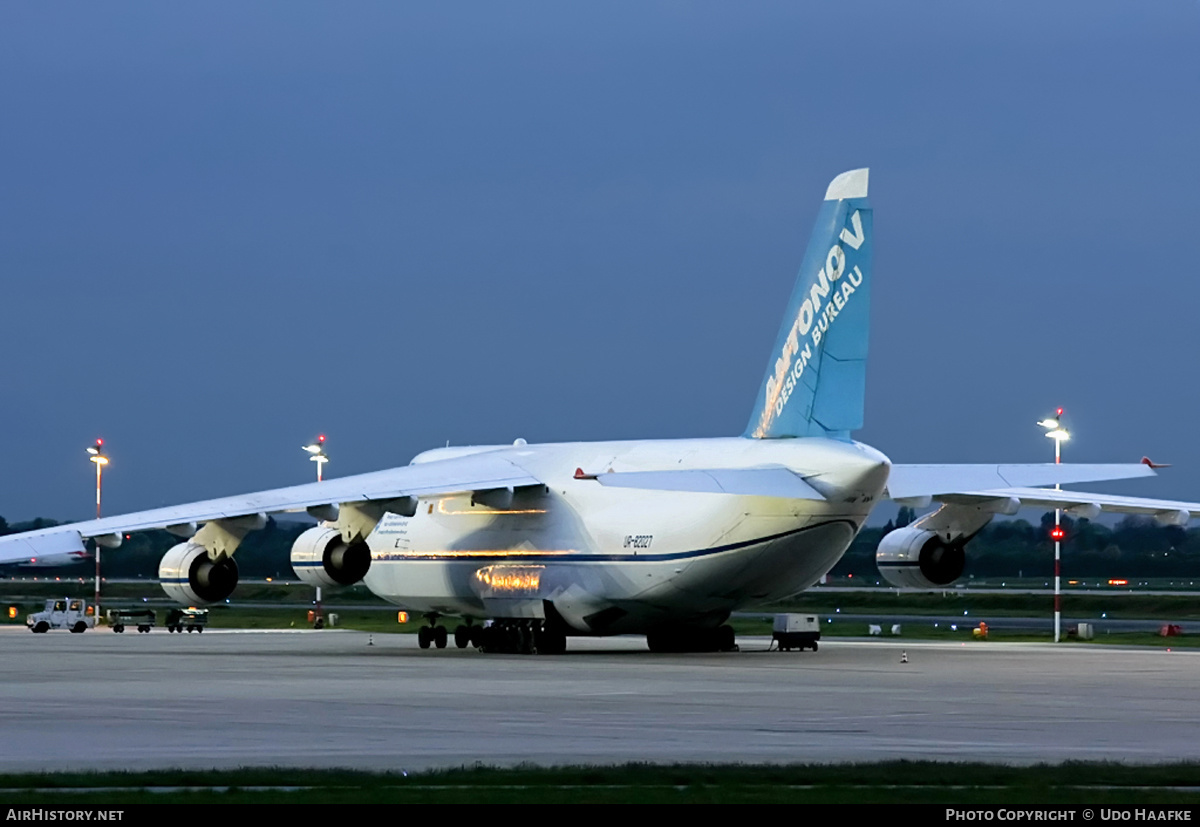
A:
{"points": [[321, 558], [915, 558], [189, 576]]}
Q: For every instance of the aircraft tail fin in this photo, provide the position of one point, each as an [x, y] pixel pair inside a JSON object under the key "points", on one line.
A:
{"points": [[816, 380]]}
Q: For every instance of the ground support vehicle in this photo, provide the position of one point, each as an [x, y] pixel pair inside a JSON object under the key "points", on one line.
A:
{"points": [[61, 613], [192, 620], [795, 631], [142, 619]]}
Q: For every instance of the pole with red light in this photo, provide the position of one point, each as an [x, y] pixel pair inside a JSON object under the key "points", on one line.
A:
{"points": [[317, 449], [97, 456], [1059, 434]]}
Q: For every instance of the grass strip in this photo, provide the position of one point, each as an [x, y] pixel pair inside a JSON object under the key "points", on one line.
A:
{"points": [[925, 782]]}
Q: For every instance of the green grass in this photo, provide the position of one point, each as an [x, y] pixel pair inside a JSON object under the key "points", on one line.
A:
{"points": [[292, 602], [943, 783], [927, 631], [956, 601]]}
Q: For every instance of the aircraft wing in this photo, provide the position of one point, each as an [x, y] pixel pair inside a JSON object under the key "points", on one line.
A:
{"points": [[475, 472], [1170, 512], [1005, 488], [932, 481]]}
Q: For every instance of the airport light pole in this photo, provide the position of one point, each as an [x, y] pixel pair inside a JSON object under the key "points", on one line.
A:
{"points": [[97, 456], [1056, 432], [317, 449]]}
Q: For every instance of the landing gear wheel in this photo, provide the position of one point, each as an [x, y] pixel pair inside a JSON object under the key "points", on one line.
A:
{"points": [[489, 639], [726, 641], [685, 639], [439, 636], [462, 636], [525, 636], [549, 641], [424, 637]]}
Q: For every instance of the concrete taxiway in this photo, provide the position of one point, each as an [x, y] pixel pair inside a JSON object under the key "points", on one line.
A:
{"points": [[227, 699]]}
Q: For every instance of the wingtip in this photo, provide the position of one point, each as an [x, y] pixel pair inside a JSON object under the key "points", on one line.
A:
{"points": [[850, 184]]}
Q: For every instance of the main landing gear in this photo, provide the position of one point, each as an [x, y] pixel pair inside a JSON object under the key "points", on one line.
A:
{"points": [[522, 637], [514, 637], [432, 634], [685, 639]]}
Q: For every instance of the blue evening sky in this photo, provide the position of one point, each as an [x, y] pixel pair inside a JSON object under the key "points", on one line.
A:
{"points": [[227, 227]]}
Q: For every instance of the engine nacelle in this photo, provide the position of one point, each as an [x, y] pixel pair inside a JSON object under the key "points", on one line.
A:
{"points": [[321, 558], [190, 577], [915, 558]]}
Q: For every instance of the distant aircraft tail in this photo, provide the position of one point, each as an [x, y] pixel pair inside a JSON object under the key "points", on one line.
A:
{"points": [[816, 379]]}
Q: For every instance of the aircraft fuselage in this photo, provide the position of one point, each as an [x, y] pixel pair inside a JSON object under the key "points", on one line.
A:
{"points": [[611, 560]]}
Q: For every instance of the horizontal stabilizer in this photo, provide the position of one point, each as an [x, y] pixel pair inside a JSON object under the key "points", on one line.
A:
{"points": [[912, 481], [775, 481]]}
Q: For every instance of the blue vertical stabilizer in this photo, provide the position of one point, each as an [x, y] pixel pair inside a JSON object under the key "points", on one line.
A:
{"points": [[816, 379]]}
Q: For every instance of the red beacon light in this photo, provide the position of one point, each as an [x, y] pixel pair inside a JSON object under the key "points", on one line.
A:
{"points": [[1057, 533]]}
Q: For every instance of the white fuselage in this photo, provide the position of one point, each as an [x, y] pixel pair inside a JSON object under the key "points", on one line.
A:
{"points": [[610, 560]]}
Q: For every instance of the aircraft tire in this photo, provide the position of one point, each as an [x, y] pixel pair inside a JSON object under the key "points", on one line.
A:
{"points": [[462, 636], [661, 641], [424, 637], [510, 639], [488, 639], [439, 636], [525, 640], [726, 640], [550, 642]]}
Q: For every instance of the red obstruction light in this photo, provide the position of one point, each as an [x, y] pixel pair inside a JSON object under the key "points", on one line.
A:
{"points": [[1057, 533]]}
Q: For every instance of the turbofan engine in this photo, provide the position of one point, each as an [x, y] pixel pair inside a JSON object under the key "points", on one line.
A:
{"points": [[189, 576], [916, 558], [321, 558]]}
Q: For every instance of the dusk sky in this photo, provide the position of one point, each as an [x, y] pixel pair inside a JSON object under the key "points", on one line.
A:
{"points": [[228, 227]]}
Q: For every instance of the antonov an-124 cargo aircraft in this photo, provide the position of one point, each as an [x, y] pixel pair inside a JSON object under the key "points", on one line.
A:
{"points": [[663, 537]]}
